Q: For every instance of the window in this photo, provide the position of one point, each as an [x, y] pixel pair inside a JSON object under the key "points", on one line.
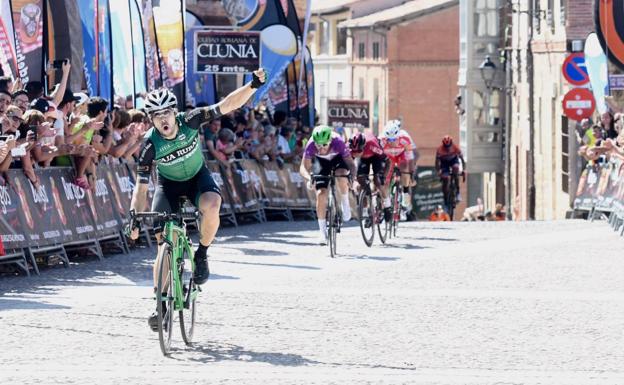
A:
{"points": [[361, 51], [341, 40], [339, 90], [565, 172], [324, 37], [486, 18], [361, 89], [376, 50], [550, 15]]}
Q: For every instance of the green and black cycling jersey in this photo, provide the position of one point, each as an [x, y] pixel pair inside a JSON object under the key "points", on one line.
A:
{"points": [[178, 159]]}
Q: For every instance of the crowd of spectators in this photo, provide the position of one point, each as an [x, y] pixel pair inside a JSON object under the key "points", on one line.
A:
{"points": [[65, 128], [598, 142]]}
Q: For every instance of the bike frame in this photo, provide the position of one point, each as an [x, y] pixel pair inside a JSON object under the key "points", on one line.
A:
{"points": [[174, 231]]}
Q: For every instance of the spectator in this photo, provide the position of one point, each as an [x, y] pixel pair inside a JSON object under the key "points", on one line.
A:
{"points": [[5, 101], [607, 126], [11, 124], [5, 153], [6, 84], [473, 213], [20, 99], [44, 149], [283, 144], [499, 212], [225, 144], [34, 89], [439, 215]]}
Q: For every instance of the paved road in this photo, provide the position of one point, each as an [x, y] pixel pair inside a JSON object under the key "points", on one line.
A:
{"points": [[461, 303]]}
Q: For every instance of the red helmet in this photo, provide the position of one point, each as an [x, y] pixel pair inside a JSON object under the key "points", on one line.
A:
{"points": [[357, 142], [447, 140]]}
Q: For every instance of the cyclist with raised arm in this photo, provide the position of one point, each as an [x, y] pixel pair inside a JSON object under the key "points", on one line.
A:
{"points": [[324, 153], [448, 156], [399, 147], [367, 148], [173, 145]]}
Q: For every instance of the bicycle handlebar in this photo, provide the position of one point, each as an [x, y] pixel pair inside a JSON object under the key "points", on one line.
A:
{"points": [[165, 216]]}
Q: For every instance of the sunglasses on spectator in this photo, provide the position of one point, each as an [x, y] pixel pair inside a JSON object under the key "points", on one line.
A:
{"points": [[15, 118]]}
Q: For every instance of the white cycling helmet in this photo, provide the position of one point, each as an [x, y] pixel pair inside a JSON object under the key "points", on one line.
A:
{"points": [[159, 100], [392, 129]]}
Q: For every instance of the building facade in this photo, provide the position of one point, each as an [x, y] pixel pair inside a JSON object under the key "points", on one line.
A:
{"points": [[543, 164]]}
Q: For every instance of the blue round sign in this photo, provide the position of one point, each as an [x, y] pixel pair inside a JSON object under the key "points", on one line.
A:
{"points": [[574, 69]]}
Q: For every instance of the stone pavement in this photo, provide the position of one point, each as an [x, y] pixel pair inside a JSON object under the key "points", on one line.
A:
{"points": [[461, 303]]}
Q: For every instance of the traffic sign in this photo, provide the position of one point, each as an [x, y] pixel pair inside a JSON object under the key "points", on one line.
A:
{"points": [[574, 69], [579, 104]]}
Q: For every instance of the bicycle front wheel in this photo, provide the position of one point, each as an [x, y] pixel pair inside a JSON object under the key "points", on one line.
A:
{"points": [[165, 303], [367, 217], [332, 224], [190, 291]]}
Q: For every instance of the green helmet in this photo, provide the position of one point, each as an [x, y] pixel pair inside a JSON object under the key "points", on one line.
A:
{"points": [[322, 135]]}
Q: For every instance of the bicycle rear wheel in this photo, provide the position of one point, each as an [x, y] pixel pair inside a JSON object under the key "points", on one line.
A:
{"points": [[366, 215], [165, 285], [382, 224], [190, 291], [452, 198]]}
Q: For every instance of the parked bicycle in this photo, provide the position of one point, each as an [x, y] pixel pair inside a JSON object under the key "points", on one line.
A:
{"points": [[177, 282]]}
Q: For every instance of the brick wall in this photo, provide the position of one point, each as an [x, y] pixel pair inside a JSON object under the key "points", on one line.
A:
{"points": [[580, 18]]}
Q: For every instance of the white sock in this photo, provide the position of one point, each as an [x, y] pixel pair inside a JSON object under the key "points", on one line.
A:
{"points": [[322, 225]]}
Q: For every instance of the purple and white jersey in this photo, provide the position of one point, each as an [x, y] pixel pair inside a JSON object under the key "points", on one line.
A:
{"points": [[337, 147]]}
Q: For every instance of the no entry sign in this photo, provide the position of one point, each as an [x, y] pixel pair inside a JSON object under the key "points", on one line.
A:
{"points": [[574, 69], [579, 104]]}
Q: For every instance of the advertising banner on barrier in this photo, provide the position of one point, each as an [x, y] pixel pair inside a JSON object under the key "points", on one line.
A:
{"points": [[587, 187], [254, 173], [428, 193], [274, 187], [296, 190], [121, 182], [12, 229], [76, 206], [247, 199], [46, 208], [106, 215], [226, 198], [226, 52]]}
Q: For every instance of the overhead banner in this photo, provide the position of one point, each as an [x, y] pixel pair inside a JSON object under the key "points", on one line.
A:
{"points": [[104, 51], [123, 58], [8, 61], [152, 64], [226, 51], [88, 21], [28, 24], [309, 119], [138, 53], [200, 88], [170, 39], [254, 14], [348, 113], [279, 47]]}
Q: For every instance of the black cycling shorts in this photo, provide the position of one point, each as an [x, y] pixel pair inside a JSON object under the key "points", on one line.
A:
{"points": [[379, 163], [322, 166], [168, 192]]}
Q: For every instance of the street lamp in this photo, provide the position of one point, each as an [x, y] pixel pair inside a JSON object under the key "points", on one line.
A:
{"points": [[488, 71]]}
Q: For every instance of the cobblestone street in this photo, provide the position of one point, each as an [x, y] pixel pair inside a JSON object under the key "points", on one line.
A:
{"points": [[459, 303]]}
